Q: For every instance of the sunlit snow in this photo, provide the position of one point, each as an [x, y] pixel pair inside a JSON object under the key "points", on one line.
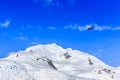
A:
{"points": [[52, 62]]}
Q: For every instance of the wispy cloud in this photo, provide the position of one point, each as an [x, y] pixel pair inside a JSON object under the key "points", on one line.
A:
{"points": [[116, 28], [21, 38], [57, 3], [96, 27], [47, 2], [50, 3], [5, 24], [34, 43], [72, 27], [97, 53], [51, 28], [101, 28]]}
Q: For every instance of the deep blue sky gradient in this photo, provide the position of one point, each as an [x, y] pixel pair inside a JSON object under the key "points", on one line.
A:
{"points": [[30, 21]]}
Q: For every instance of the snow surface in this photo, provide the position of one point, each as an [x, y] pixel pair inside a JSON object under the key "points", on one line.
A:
{"points": [[39, 63]]}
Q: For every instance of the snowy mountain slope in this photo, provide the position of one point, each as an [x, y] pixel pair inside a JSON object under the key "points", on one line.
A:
{"points": [[52, 62]]}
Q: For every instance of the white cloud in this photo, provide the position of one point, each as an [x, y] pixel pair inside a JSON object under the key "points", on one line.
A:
{"points": [[116, 28], [57, 3], [81, 28], [21, 38], [34, 43], [49, 3], [101, 28], [71, 2], [5, 24], [76, 27], [51, 28], [46, 2], [72, 27], [100, 50], [96, 27]]}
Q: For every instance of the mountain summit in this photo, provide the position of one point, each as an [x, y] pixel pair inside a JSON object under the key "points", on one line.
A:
{"points": [[52, 62]]}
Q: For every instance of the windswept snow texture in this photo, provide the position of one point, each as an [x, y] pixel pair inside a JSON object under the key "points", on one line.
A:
{"points": [[52, 62]]}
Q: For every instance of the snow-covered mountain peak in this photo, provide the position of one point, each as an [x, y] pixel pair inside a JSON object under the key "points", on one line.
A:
{"points": [[57, 53], [52, 62], [47, 46], [48, 50]]}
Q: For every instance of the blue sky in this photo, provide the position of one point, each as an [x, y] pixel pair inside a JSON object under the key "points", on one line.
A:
{"points": [[24, 23]]}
